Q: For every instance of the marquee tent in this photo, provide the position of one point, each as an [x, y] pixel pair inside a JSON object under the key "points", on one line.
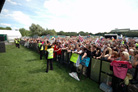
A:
{"points": [[10, 35]]}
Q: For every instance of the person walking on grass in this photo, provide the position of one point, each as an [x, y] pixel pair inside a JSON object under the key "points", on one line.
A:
{"points": [[50, 51]]}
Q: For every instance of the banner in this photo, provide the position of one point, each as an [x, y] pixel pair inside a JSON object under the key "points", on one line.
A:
{"points": [[74, 57], [80, 38], [85, 61]]}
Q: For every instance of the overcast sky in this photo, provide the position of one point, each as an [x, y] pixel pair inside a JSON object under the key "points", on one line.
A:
{"points": [[71, 15]]}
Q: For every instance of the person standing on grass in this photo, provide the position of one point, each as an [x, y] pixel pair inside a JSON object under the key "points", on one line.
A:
{"points": [[41, 49], [17, 42], [50, 51]]}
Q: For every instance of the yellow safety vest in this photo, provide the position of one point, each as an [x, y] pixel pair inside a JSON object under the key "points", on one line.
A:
{"points": [[46, 47], [19, 40], [16, 41], [39, 44], [42, 48], [123, 42], [50, 53], [137, 44]]}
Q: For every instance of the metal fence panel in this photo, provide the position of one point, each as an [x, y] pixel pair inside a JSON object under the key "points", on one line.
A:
{"points": [[95, 69], [106, 68]]}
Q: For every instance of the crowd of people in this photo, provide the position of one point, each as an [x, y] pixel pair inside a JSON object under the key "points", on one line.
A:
{"points": [[118, 51]]}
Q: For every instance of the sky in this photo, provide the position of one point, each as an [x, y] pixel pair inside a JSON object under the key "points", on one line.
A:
{"points": [[71, 15]]}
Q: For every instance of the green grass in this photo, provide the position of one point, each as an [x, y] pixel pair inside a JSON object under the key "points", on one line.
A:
{"points": [[22, 71]]}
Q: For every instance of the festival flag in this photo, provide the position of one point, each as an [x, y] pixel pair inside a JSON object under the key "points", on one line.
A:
{"points": [[80, 38], [97, 40]]}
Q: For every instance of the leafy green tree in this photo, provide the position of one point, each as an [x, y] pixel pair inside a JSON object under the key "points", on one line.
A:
{"points": [[25, 32], [50, 32], [36, 29], [22, 31], [61, 33], [81, 33]]}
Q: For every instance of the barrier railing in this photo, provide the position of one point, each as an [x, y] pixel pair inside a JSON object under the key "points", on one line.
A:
{"points": [[99, 72], [95, 69], [105, 74]]}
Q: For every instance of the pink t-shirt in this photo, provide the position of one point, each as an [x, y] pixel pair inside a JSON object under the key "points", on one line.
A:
{"points": [[120, 68]]}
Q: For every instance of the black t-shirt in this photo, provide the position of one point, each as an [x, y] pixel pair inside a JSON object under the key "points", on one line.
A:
{"points": [[93, 53], [88, 52]]}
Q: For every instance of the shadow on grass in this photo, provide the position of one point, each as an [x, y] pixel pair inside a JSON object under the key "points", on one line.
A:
{"points": [[37, 71], [30, 60]]}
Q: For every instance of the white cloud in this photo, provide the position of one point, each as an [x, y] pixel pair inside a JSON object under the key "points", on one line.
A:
{"points": [[21, 18], [5, 11], [79, 15], [57, 7], [28, 0], [91, 15], [5, 24], [14, 3]]}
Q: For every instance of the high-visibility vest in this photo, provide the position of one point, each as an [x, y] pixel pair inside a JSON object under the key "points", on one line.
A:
{"points": [[39, 44], [16, 41], [19, 40], [42, 48], [136, 44], [123, 42], [50, 53]]}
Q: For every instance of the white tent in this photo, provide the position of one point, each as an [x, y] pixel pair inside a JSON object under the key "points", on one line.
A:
{"points": [[11, 34]]}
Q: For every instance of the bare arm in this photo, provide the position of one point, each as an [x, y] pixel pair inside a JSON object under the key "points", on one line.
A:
{"points": [[85, 54]]}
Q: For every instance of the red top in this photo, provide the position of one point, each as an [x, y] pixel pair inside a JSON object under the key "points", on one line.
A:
{"points": [[58, 52]]}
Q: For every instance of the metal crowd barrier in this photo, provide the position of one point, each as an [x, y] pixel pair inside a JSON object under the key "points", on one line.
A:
{"points": [[99, 72], [95, 69], [105, 74]]}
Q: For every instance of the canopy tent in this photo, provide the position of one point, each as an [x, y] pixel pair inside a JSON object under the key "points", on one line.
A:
{"points": [[10, 35]]}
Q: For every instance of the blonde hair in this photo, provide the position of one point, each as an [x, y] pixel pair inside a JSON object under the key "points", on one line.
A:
{"points": [[131, 50], [126, 55]]}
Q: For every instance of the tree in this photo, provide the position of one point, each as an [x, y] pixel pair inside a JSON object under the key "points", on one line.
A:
{"points": [[36, 29], [22, 31], [50, 32], [60, 33], [81, 33]]}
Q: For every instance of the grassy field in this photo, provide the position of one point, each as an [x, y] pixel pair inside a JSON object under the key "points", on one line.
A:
{"points": [[22, 71]]}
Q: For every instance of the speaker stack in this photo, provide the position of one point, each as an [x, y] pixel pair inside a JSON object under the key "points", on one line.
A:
{"points": [[2, 45]]}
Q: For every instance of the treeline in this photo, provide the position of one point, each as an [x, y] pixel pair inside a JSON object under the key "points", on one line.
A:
{"points": [[74, 33], [5, 28], [36, 29]]}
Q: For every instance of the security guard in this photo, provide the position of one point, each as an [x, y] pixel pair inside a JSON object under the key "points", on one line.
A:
{"points": [[50, 51], [17, 42], [41, 49]]}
